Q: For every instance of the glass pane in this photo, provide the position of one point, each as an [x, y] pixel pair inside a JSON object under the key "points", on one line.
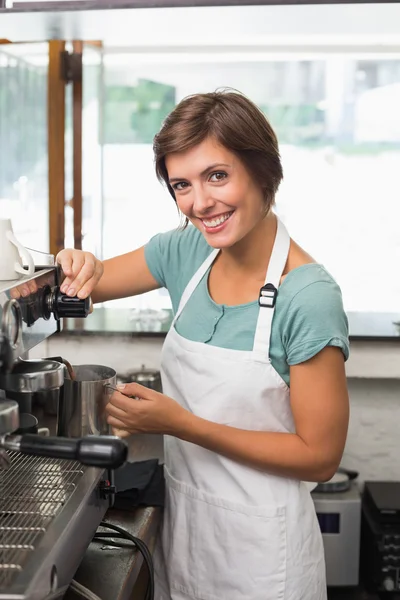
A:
{"points": [[92, 204], [336, 117], [23, 142]]}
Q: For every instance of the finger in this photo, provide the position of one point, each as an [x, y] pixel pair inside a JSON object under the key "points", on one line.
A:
{"points": [[136, 390], [85, 274], [32, 285], [64, 259], [124, 401], [117, 423], [76, 260], [66, 284], [121, 433], [121, 402], [115, 411], [88, 287], [21, 290]]}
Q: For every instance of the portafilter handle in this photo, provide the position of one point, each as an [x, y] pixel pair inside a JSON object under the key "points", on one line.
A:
{"points": [[105, 452]]}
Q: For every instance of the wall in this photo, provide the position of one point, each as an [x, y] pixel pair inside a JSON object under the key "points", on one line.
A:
{"points": [[373, 444]]}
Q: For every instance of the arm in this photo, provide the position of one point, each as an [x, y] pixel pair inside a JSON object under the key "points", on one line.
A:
{"points": [[119, 277], [125, 275], [320, 408]]}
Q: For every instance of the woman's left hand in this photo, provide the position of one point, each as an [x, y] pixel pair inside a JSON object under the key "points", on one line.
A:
{"points": [[138, 409]]}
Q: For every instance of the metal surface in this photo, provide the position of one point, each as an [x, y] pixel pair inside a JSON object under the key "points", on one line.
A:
{"points": [[32, 492], [150, 378], [83, 401], [31, 376], [49, 510], [9, 416], [340, 482], [35, 329], [111, 573], [341, 543], [11, 325]]}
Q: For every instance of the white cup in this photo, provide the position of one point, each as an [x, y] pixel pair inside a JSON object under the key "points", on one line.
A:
{"points": [[11, 252]]}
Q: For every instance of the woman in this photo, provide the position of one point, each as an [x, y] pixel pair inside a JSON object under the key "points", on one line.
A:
{"points": [[255, 400]]}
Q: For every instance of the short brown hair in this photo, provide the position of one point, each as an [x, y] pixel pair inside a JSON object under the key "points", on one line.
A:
{"points": [[235, 123]]}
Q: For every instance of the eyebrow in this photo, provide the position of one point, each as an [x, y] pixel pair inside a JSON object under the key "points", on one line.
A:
{"points": [[206, 170]]}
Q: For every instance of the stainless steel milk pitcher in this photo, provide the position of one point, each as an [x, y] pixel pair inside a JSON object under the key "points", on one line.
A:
{"points": [[82, 401]]}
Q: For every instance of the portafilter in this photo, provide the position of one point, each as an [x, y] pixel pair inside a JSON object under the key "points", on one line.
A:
{"points": [[105, 451]]}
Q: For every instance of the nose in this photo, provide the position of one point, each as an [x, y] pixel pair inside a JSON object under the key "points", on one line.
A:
{"points": [[202, 200]]}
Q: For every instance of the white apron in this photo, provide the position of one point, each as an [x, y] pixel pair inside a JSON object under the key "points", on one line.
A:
{"points": [[231, 532]]}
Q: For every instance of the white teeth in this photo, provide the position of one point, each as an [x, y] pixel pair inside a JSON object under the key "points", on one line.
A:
{"points": [[218, 221]]}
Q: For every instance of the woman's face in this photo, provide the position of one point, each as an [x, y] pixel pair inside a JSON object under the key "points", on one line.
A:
{"points": [[214, 190]]}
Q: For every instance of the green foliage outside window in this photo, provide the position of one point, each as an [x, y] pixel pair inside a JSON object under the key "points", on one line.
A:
{"points": [[134, 114], [23, 123]]}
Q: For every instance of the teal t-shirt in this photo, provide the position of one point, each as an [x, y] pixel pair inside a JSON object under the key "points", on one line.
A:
{"points": [[308, 316]]}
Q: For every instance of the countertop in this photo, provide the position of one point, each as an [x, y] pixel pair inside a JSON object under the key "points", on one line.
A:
{"points": [[124, 322], [356, 594], [111, 572], [119, 321]]}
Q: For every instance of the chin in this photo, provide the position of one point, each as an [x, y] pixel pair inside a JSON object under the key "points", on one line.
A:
{"points": [[219, 242]]}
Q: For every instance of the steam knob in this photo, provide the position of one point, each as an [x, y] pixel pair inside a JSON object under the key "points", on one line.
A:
{"points": [[63, 306]]}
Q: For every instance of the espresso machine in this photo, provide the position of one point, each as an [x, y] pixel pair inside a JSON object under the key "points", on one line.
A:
{"points": [[54, 489]]}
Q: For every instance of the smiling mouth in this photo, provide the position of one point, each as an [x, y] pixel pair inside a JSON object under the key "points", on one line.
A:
{"points": [[216, 221]]}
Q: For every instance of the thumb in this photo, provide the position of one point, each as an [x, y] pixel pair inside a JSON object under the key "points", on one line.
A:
{"points": [[133, 390]]}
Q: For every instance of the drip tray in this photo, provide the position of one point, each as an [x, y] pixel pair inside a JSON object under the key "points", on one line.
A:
{"points": [[49, 511], [32, 492]]}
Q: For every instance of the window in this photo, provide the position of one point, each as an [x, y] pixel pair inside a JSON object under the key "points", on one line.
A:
{"points": [[336, 117], [23, 142]]}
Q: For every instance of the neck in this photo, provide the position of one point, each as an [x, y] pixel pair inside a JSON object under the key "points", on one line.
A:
{"points": [[252, 252]]}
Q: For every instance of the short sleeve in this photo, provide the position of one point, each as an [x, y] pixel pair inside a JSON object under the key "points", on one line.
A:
{"points": [[315, 319], [174, 256], [154, 251]]}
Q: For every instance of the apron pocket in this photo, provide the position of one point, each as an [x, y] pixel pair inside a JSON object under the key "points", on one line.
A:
{"points": [[216, 549]]}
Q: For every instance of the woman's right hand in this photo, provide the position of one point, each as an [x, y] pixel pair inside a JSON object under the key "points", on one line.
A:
{"points": [[82, 272]]}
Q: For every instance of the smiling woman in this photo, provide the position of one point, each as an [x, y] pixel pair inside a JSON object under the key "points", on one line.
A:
{"points": [[225, 121], [255, 400], [216, 201]]}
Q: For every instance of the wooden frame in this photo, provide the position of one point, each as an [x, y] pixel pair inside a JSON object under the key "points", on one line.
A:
{"points": [[77, 109], [56, 146], [63, 72]]}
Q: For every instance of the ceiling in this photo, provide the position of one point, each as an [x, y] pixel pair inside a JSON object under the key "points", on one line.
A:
{"points": [[191, 26]]}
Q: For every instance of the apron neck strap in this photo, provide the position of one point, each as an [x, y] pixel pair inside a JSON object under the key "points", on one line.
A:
{"points": [[268, 293], [194, 282]]}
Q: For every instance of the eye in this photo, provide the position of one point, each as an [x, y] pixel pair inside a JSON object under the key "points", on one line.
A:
{"points": [[179, 186], [218, 176]]}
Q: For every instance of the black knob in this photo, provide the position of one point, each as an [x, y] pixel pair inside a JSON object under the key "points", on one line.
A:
{"points": [[6, 355], [64, 306]]}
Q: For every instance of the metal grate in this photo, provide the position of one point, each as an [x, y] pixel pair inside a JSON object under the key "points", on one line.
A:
{"points": [[32, 492]]}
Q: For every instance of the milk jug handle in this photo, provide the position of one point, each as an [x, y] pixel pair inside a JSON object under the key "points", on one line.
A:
{"points": [[27, 258]]}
